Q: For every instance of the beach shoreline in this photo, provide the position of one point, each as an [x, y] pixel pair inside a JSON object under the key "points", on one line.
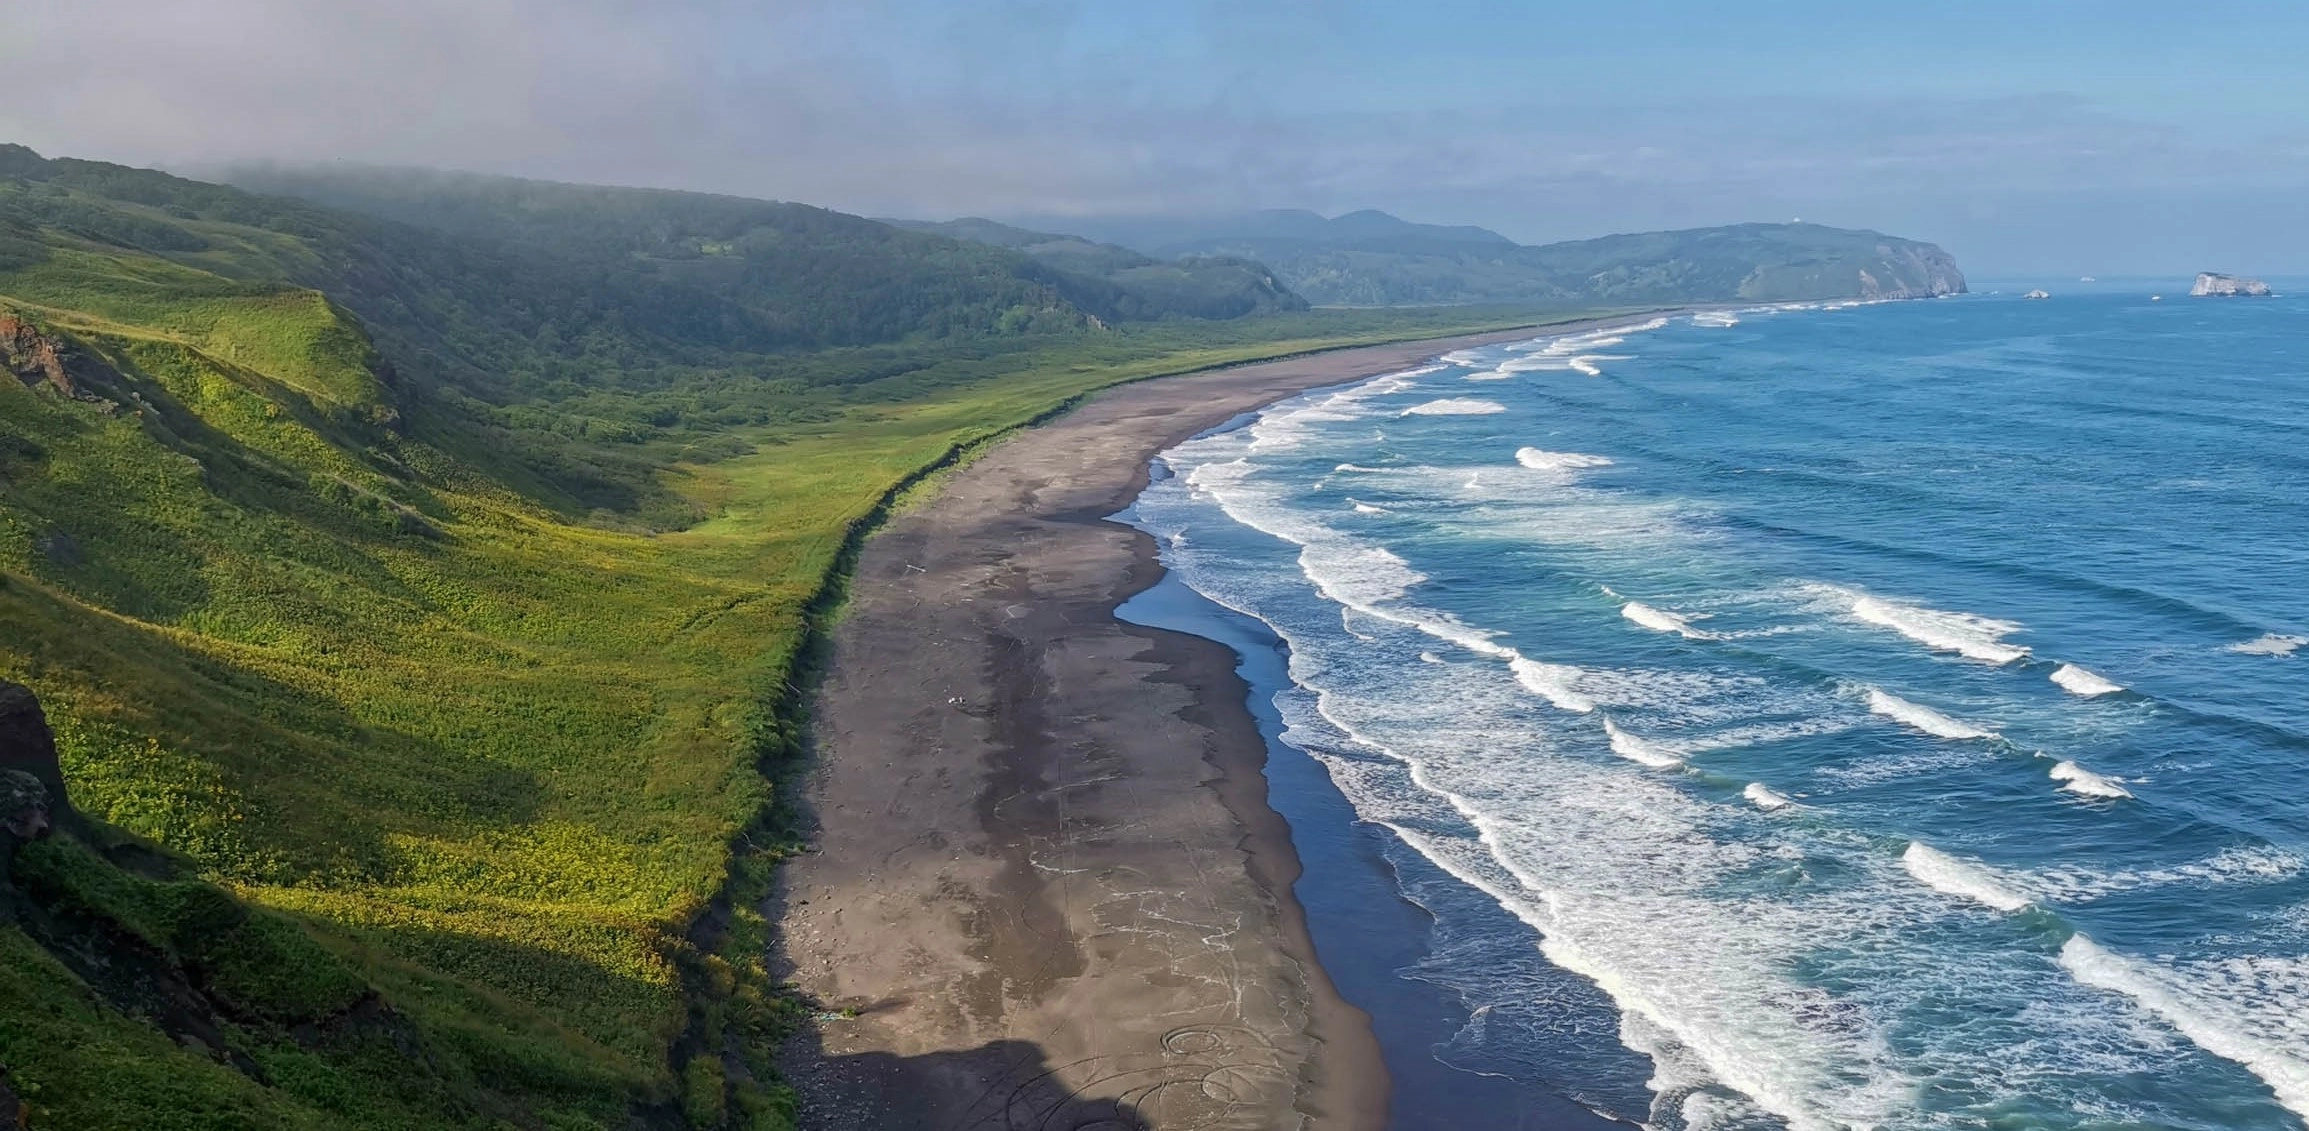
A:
{"points": [[1046, 882]]}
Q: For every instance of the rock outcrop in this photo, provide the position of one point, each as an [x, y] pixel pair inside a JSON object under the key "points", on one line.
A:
{"points": [[37, 358], [32, 798], [2219, 285]]}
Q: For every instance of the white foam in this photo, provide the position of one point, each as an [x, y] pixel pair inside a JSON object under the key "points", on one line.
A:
{"points": [[1661, 620], [1973, 637], [2077, 779], [1430, 658], [1636, 748], [1765, 797], [1354, 574], [1947, 874], [1552, 682], [1359, 468], [2245, 865], [1456, 406], [1921, 717], [1539, 459], [1715, 318], [1366, 508], [2250, 1010], [2271, 644], [2078, 681]]}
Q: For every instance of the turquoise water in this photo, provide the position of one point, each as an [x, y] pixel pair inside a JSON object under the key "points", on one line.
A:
{"points": [[1884, 716]]}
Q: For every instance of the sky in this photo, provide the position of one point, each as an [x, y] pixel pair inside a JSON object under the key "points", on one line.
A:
{"points": [[2026, 137]]}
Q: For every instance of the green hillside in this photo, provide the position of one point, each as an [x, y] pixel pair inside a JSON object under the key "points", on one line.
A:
{"points": [[417, 615], [1373, 259]]}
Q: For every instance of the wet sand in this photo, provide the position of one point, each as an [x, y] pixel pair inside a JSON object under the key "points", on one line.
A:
{"points": [[1046, 889]]}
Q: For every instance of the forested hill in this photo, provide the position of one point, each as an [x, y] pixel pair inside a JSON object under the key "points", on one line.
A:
{"points": [[1112, 278], [1373, 259], [776, 255]]}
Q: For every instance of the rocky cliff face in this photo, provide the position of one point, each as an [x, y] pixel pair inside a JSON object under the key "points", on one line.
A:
{"points": [[1919, 270], [41, 358], [2214, 283]]}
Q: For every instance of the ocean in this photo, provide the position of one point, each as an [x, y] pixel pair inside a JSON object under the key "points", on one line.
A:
{"points": [[1884, 715]]}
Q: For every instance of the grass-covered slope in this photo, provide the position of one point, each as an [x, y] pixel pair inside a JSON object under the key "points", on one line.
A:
{"points": [[410, 761]]}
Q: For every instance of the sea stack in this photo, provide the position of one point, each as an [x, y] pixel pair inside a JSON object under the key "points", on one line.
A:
{"points": [[2215, 283]]}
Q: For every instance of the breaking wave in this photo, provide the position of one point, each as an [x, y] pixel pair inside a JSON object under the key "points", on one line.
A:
{"points": [[2077, 779], [1921, 717], [1947, 874], [2078, 681]]}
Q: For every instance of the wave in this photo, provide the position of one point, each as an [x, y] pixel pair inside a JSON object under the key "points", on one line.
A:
{"points": [[1356, 467], [2078, 681], [1552, 682], [1455, 406], [1661, 620], [1974, 637], [2077, 779], [2214, 1018], [1765, 797], [1715, 318], [1366, 508], [1635, 748], [1921, 717], [1540, 459], [1947, 874], [2271, 644]]}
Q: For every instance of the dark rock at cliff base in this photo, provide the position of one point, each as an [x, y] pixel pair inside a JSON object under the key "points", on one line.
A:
{"points": [[11, 1108], [24, 817], [26, 743], [32, 796], [2227, 286]]}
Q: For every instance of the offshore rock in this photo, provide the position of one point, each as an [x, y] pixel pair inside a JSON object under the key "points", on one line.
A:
{"points": [[2225, 286]]}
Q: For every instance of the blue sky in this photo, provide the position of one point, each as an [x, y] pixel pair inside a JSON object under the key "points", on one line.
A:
{"points": [[2027, 137]]}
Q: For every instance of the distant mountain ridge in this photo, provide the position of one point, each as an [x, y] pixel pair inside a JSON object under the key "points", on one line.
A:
{"points": [[1373, 259], [796, 260], [1117, 283]]}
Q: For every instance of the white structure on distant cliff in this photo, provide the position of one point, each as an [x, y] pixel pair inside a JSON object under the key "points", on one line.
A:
{"points": [[2212, 283]]}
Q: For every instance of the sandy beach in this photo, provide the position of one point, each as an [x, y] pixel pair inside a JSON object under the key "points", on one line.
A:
{"points": [[1045, 886]]}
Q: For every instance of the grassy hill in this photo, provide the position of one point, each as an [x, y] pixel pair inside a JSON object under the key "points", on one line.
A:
{"points": [[418, 612], [1373, 259]]}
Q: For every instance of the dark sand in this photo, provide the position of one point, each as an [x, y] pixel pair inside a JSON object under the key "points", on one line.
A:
{"points": [[1045, 875]]}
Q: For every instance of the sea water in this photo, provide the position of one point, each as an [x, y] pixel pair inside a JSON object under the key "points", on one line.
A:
{"points": [[1878, 716]]}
